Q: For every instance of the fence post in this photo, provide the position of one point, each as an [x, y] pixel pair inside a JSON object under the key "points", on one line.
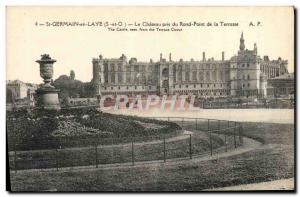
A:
{"points": [[225, 143], [15, 160], [207, 124], [182, 119], [240, 135], [164, 148], [132, 152], [96, 156], [210, 142], [234, 136], [56, 158], [219, 127], [190, 146], [112, 150]]}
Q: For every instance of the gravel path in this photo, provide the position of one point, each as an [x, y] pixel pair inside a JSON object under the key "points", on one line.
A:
{"points": [[283, 184], [248, 145], [183, 136]]}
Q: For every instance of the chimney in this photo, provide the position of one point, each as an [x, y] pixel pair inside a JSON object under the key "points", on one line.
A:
{"points": [[170, 57], [160, 58], [266, 58], [203, 56], [223, 56]]}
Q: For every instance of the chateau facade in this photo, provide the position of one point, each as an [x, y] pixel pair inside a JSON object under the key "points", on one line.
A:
{"points": [[243, 75]]}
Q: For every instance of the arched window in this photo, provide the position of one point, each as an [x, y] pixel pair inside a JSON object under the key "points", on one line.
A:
{"points": [[165, 72]]}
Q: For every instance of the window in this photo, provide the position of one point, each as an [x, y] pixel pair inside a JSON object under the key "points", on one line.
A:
{"points": [[201, 76], [187, 76], [194, 85], [248, 84], [248, 65], [243, 76], [149, 87], [119, 87], [208, 76], [214, 75], [187, 86], [112, 88], [194, 76], [208, 85], [135, 87], [248, 77], [127, 88], [112, 77], [120, 77], [214, 85], [112, 67], [136, 68], [180, 73], [174, 73], [128, 77]]}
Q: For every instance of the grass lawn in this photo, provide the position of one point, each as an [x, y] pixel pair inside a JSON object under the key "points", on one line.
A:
{"points": [[271, 161]]}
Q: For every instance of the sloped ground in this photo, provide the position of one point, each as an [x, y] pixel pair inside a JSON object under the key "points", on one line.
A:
{"points": [[31, 130]]}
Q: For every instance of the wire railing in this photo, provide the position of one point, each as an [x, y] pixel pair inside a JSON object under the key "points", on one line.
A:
{"points": [[199, 138]]}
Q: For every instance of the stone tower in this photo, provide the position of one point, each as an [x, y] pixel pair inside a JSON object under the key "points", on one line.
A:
{"points": [[242, 43], [97, 74], [248, 71]]}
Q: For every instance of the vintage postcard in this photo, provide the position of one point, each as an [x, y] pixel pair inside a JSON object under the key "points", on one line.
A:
{"points": [[150, 98]]}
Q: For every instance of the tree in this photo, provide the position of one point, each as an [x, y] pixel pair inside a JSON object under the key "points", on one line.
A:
{"points": [[72, 74], [9, 96]]}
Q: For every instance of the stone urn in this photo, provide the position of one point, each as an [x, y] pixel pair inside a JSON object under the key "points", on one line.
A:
{"points": [[47, 94]]}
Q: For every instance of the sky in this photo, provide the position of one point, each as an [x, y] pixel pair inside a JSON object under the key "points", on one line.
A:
{"points": [[74, 47]]}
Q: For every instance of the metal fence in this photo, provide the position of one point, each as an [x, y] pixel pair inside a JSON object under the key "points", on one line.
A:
{"points": [[199, 138]]}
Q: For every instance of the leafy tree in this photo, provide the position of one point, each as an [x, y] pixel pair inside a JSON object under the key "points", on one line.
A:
{"points": [[72, 74]]}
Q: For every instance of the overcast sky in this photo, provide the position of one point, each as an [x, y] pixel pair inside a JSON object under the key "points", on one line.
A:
{"points": [[74, 47]]}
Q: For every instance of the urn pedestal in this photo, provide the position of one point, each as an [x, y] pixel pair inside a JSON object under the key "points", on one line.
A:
{"points": [[47, 94], [48, 98]]}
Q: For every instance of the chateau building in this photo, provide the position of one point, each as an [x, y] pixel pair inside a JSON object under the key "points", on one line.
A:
{"points": [[243, 75]]}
